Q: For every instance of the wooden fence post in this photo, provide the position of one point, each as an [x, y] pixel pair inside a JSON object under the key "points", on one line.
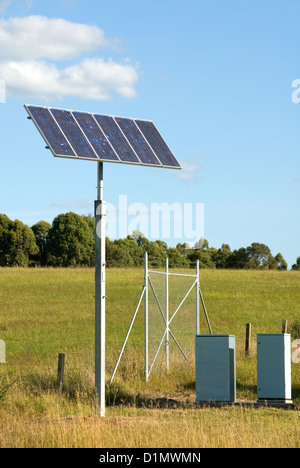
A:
{"points": [[248, 339], [60, 371], [284, 326], [2, 352]]}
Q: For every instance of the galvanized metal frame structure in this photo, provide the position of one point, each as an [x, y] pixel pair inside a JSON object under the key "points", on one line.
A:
{"points": [[164, 313]]}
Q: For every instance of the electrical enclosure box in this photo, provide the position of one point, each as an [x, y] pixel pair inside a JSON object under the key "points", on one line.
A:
{"points": [[274, 366], [215, 368]]}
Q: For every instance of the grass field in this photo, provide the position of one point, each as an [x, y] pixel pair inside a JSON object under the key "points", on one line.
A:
{"points": [[44, 312]]}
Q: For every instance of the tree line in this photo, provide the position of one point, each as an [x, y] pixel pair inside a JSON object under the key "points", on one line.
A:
{"points": [[69, 242]]}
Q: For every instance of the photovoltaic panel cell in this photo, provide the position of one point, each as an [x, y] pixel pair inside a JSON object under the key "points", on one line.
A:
{"points": [[51, 132], [98, 137], [116, 138], [69, 126], [95, 136], [157, 143], [137, 141]]}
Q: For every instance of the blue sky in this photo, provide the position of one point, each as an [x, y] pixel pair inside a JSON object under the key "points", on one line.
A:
{"points": [[215, 77]]}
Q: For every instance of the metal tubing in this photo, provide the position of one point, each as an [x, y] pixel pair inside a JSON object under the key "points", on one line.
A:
{"points": [[197, 301], [182, 274], [146, 314], [100, 215], [204, 308], [171, 274], [156, 298], [127, 336], [157, 272], [156, 354], [182, 302], [167, 316], [180, 348]]}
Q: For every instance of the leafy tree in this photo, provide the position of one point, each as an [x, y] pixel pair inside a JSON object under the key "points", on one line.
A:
{"points": [[201, 243], [71, 241], [134, 253], [296, 265], [204, 258], [176, 259], [115, 255], [238, 259], [183, 248], [5, 225], [203, 255], [90, 221], [256, 256], [139, 238], [220, 256], [281, 263], [272, 264], [156, 250], [17, 243], [259, 256], [41, 230]]}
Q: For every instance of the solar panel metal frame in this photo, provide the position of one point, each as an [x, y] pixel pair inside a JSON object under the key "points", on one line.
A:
{"points": [[97, 158]]}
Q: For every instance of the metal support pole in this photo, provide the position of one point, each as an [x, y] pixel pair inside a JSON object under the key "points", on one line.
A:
{"points": [[197, 300], [146, 315], [167, 316], [100, 215]]}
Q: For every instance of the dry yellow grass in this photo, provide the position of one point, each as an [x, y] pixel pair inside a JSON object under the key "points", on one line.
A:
{"points": [[228, 427]]}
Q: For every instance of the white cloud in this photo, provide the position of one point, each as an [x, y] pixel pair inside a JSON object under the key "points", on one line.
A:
{"points": [[89, 79], [39, 37], [30, 46]]}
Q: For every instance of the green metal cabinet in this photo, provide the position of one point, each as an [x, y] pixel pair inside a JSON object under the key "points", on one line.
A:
{"points": [[215, 368], [274, 366]]}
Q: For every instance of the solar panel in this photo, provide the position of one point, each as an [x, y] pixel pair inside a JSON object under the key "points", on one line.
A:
{"points": [[97, 137], [51, 132], [76, 137], [137, 141], [157, 143], [116, 138]]}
